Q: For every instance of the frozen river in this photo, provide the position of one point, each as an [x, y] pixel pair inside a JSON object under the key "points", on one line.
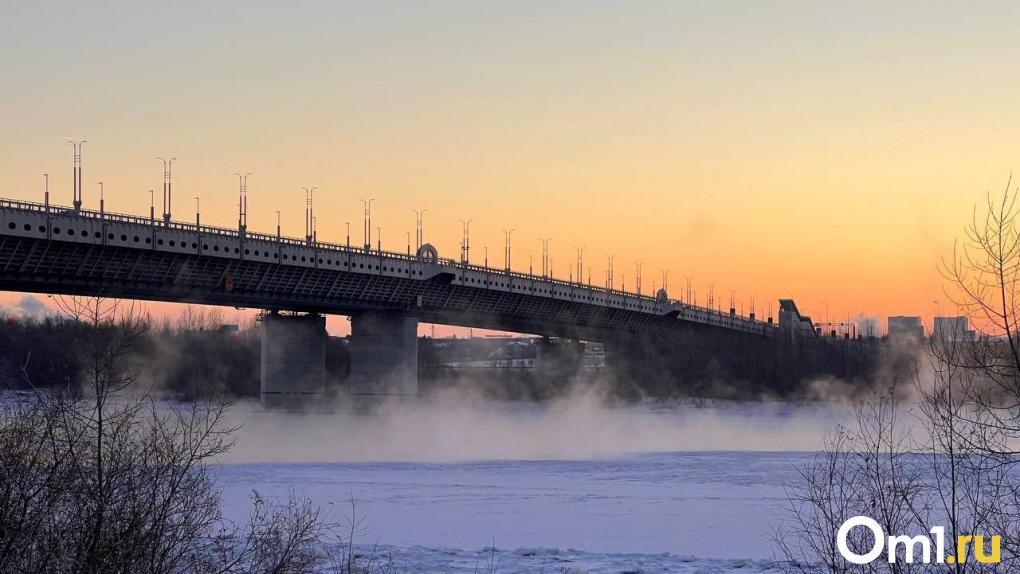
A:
{"points": [[683, 503], [673, 511]]}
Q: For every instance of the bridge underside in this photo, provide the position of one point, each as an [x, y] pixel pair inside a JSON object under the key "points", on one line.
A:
{"points": [[41, 266], [385, 309]]}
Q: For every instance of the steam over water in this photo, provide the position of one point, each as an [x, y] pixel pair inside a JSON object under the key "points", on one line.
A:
{"points": [[448, 428], [573, 485]]}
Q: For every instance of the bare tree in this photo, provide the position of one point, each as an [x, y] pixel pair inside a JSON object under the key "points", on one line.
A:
{"points": [[865, 469], [109, 481], [952, 463], [982, 280]]}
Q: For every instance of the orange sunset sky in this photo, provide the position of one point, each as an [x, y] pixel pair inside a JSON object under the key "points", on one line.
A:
{"points": [[829, 153]]}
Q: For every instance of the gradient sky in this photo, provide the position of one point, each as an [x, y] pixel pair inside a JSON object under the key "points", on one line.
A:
{"points": [[828, 153]]}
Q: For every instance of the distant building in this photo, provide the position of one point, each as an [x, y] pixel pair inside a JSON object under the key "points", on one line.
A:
{"points": [[906, 327], [952, 329], [868, 327]]}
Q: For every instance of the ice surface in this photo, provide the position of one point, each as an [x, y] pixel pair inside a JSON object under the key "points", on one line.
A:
{"points": [[554, 561], [568, 487], [717, 506]]}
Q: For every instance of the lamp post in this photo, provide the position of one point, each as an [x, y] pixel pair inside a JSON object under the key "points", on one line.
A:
{"points": [[506, 258], [168, 165], [309, 215], [76, 146], [465, 242], [242, 203], [419, 221], [545, 257], [580, 263], [367, 203]]}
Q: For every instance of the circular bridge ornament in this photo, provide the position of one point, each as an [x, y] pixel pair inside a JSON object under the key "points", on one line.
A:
{"points": [[428, 253], [661, 296]]}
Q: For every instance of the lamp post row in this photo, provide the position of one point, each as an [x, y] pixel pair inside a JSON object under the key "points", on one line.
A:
{"points": [[310, 221]]}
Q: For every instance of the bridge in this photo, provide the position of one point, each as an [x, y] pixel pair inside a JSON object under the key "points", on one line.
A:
{"points": [[52, 249]]}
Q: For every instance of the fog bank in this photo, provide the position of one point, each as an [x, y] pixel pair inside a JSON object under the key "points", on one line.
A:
{"points": [[449, 427]]}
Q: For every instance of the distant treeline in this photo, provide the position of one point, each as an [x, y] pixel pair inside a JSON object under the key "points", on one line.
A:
{"points": [[196, 356]]}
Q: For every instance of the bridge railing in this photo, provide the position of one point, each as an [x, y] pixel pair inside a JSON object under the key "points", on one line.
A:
{"points": [[714, 316], [719, 317]]}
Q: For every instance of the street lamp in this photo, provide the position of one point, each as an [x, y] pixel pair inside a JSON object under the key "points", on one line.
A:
{"points": [[545, 257], [419, 234], [580, 263], [506, 259], [465, 242], [309, 217], [367, 203], [242, 202], [168, 165], [76, 146]]}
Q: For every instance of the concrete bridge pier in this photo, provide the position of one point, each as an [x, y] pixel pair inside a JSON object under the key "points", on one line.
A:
{"points": [[384, 354], [293, 358]]}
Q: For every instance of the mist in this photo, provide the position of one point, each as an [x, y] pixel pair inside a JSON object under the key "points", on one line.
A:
{"points": [[452, 426], [461, 423]]}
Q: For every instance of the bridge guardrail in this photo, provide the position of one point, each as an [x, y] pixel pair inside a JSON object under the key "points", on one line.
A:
{"points": [[710, 316]]}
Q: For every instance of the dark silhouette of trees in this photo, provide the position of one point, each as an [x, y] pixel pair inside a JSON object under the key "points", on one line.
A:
{"points": [[100, 479]]}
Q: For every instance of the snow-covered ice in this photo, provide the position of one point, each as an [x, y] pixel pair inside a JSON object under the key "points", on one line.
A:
{"points": [[636, 497], [556, 561], [700, 511]]}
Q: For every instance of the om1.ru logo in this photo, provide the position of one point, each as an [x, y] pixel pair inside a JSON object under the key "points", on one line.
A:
{"points": [[909, 545]]}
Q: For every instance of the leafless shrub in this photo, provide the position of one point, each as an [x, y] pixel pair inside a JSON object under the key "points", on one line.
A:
{"points": [[106, 481], [954, 463], [865, 469]]}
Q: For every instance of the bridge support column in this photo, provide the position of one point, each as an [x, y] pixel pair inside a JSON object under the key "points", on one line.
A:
{"points": [[293, 357], [384, 354]]}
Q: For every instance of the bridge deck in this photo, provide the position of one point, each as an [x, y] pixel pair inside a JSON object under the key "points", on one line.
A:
{"points": [[50, 249]]}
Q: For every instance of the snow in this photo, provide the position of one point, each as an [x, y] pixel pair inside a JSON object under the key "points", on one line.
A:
{"points": [[661, 512], [573, 486], [532, 560]]}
